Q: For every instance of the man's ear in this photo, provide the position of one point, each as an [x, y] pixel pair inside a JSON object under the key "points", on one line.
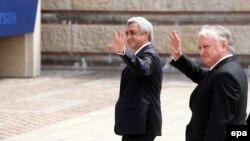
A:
{"points": [[146, 36], [224, 44]]}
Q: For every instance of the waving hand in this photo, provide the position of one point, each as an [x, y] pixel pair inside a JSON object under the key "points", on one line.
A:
{"points": [[175, 46], [119, 43]]}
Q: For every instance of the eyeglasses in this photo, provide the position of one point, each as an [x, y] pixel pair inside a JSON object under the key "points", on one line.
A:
{"points": [[131, 32]]}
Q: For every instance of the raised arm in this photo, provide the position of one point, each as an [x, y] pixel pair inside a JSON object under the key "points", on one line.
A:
{"points": [[175, 45]]}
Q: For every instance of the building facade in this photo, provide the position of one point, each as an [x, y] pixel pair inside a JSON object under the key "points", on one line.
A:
{"points": [[76, 32]]}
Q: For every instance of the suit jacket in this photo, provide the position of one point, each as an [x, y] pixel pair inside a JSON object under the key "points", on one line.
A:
{"points": [[220, 98], [138, 109]]}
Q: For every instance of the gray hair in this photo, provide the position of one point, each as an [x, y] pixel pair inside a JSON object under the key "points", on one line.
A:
{"points": [[219, 33], [144, 26]]}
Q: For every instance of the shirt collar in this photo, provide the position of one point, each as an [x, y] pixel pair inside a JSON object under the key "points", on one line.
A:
{"points": [[142, 47], [229, 55]]}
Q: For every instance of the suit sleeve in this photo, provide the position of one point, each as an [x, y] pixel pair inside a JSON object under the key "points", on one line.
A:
{"points": [[142, 65], [225, 98], [191, 69]]}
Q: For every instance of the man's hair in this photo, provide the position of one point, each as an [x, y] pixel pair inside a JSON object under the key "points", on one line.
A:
{"points": [[144, 26], [218, 33]]}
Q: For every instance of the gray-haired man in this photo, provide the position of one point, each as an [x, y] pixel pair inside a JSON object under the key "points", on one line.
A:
{"points": [[138, 109]]}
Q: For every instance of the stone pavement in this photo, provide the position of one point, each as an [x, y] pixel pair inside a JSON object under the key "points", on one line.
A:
{"points": [[79, 106]]}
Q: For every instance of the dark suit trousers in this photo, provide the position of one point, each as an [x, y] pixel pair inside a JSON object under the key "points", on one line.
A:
{"points": [[138, 138]]}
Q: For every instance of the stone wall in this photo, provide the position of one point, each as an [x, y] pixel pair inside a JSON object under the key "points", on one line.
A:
{"points": [[147, 5], [93, 38], [81, 28]]}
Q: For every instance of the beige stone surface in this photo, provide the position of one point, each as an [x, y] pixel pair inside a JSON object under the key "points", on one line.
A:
{"points": [[241, 38], [12, 56], [211, 5], [243, 5], [56, 38], [56, 4], [77, 38], [94, 38], [149, 5]]}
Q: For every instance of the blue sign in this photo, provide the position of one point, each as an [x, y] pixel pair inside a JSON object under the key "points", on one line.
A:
{"points": [[17, 16]]}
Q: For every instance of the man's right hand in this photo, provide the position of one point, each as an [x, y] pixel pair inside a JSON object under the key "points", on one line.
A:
{"points": [[175, 46], [119, 43]]}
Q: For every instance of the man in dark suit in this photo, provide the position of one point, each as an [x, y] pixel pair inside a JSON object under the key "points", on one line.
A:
{"points": [[138, 109], [220, 98]]}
